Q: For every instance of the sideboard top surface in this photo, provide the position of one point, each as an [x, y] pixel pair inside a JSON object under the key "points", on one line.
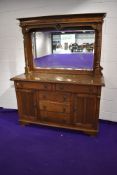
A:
{"points": [[61, 78]]}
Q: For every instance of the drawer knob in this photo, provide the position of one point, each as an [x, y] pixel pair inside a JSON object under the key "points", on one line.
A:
{"points": [[64, 98], [34, 105], [44, 96], [45, 86], [44, 107], [64, 110], [75, 110], [61, 87], [19, 85]]}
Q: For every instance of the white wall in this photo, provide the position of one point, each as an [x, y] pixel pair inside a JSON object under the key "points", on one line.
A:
{"points": [[43, 44], [11, 44]]}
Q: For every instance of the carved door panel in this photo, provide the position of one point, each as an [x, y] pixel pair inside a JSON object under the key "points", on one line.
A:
{"points": [[27, 104], [85, 110]]}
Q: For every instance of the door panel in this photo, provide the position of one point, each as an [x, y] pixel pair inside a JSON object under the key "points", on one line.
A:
{"points": [[27, 104], [85, 110]]}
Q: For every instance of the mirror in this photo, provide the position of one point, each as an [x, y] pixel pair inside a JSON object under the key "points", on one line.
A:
{"points": [[67, 49]]}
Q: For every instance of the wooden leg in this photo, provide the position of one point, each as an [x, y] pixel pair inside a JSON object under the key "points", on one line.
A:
{"points": [[22, 123], [94, 133]]}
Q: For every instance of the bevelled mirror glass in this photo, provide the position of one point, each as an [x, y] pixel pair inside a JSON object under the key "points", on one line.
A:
{"points": [[65, 49]]}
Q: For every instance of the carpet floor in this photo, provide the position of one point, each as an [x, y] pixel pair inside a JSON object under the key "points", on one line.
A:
{"points": [[37, 150]]}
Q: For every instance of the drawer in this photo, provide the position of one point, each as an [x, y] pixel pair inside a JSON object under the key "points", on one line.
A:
{"points": [[54, 117], [33, 85], [54, 96], [54, 106], [76, 88]]}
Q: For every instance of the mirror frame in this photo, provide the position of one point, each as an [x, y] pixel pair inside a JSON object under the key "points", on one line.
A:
{"points": [[60, 22]]}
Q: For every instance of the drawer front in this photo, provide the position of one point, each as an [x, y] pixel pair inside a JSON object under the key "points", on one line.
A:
{"points": [[54, 106], [54, 96], [33, 85], [55, 117], [76, 88]]}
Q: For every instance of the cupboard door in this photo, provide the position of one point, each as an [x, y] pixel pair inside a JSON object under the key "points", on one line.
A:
{"points": [[85, 107], [27, 104]]}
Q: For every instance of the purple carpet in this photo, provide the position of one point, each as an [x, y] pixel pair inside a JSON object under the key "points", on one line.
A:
{"points": [[37, 150], [75, 61]]}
